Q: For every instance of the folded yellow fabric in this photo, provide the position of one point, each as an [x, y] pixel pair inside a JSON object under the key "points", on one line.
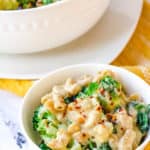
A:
{"points": [[137, 52], [20, 87]]}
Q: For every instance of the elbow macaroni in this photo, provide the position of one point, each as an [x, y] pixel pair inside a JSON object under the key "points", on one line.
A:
{"points": [[87, 119]]}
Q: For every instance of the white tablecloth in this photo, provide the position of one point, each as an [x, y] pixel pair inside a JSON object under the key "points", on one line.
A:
{"points": [[11, 137]]}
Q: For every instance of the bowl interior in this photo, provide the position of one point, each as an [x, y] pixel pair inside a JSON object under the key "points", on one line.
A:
{"points": [[131, 83]]}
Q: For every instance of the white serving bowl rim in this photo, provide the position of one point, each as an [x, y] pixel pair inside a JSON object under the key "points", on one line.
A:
{"points": [[108, 67], [34, 9]]}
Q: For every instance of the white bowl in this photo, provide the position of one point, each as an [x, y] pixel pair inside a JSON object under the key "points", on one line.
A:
{"points": [[46, 27], [131, 82]]}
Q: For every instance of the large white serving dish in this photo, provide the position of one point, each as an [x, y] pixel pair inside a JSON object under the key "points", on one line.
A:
{"points": [[46, 27], [102, 44]]}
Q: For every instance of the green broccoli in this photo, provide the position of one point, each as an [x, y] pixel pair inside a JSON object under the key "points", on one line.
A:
{"points": [[93, 146], [36, 119], [69, 100], [74, 145], [85, 92], [43, 146], [27, 3], [45, 123], [91, 89], [90, 146], [45, 2], [142, 114], [108, 85], [113, 98], [105, 146]]}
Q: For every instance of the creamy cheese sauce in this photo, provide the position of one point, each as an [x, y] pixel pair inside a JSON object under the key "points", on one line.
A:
{"points": [[100, 116]]}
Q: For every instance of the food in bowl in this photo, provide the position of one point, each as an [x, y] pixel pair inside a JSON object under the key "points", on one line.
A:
{"points": [[23, 4], [91, 113]]}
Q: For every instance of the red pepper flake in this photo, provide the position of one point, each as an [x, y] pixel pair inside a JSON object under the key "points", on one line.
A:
{"points": [[114, 119], [99, 122], [98, 108], [64, 114], [77, 107], [102, 91], [84, 134], [84, 116], [119, 90], [122, 128], [111, 117], [130, 115], [120, 110], [111, 103], [102, 121], [75, 101]]}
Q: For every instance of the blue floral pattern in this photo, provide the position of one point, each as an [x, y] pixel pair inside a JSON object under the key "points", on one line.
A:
{"points": [[10, 132]]}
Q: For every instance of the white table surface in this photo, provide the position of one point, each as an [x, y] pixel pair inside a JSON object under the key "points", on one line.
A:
{"points": [[10, 133]]}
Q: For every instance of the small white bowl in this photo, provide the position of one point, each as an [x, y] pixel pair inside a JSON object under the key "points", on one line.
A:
{"points": [[46, 27], [131, 82]]}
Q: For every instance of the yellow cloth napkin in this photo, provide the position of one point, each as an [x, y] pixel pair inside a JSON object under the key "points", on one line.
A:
{"points": [[137, 52], [20, 87]]}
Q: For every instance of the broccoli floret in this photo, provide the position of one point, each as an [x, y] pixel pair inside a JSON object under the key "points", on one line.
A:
{"points": [[143, 121], [45, 2], [43, 146], [27, 3], [45, 123], [91, 145], [148, 109], [69, 100], [105, 146], [142, 114], [74, 145], [85, 92], [36, 117], [107, 85], [91, 89], [111, 85], [113, 98], [42, 114]]}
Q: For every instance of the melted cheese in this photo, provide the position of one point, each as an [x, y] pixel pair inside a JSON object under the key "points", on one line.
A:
{"points": [[87, 119]]}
